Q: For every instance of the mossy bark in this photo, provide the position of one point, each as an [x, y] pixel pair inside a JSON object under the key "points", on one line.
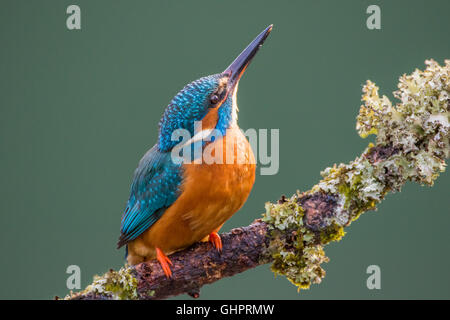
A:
{"points": [[243, 248]]}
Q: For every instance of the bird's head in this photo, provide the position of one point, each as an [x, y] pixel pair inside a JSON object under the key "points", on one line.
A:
{"points": [[211, 99]]}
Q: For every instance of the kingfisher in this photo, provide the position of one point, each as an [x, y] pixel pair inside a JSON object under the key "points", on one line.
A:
{"points": [[173, 203]]}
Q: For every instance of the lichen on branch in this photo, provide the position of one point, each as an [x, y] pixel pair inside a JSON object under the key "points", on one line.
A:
{"points": [[412, 144]]}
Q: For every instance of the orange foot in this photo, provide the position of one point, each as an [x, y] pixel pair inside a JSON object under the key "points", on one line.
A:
{"points": [[164, 261], [214, 238]]}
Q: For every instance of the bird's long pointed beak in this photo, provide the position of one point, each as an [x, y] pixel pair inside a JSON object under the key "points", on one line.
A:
{"points": [[238, 66]]}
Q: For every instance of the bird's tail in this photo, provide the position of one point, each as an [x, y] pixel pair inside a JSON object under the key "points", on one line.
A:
{"points": [[126, 252]]}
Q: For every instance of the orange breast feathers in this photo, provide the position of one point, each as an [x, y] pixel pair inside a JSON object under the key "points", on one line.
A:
{"points": [[212, 191], [219, 186]]}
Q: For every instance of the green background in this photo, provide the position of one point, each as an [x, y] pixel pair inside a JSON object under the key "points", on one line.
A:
{"points": [[78, 109]]}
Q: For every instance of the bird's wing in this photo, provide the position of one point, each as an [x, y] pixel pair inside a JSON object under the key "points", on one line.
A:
{"points": [[155, 187]]}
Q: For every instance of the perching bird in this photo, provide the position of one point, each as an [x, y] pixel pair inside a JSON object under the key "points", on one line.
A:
{"points": [[174, 204]]}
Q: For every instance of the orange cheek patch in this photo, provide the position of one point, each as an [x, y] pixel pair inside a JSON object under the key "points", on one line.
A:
{"points": [[211, 118]]}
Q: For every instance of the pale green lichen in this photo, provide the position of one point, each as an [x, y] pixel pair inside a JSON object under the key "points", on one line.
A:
{"points": [[118, 285], [412, 144], [299, 255]]}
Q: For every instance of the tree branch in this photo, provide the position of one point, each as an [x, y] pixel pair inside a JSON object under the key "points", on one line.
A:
{"points": [[412, 144], [200, 264]]}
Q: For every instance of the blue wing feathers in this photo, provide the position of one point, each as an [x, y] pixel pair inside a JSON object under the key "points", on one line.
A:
{"points": [[155, 187]]}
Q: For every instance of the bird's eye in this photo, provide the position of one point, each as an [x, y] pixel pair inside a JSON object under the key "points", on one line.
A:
{"points": [[214, 99]]}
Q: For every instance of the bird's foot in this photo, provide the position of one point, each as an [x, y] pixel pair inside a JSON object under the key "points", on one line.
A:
{"points": [[164, 261], [214, 238]]}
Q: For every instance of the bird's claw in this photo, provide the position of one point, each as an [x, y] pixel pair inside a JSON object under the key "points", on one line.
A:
{"points": [[164, 261], [214, 238]]}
